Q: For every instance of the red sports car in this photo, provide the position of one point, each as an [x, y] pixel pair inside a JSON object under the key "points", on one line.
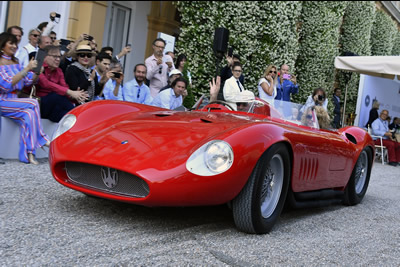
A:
{"points": [[255, 159]]}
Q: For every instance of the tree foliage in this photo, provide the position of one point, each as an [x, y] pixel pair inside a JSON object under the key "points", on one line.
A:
{"points": [[306, 35]]}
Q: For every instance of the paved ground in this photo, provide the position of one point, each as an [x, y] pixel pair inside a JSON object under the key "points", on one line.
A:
{"points": [[44, 223]]}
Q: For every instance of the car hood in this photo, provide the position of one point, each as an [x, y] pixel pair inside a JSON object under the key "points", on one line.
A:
{"points": [[142, 138]]}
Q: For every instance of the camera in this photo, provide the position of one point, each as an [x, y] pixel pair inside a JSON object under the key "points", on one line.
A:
{"points": [[89, 38], [286, 76], [64, 43], [320, 98], [117, 75], [52, 18]]}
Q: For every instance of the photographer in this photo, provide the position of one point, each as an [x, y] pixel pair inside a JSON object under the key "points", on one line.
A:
{"points": [[113, 89], [287, 84], [318, 98]]}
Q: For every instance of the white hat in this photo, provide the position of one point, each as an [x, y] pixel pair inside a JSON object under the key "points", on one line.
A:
{"points": [[244, 96], [174, 71]]}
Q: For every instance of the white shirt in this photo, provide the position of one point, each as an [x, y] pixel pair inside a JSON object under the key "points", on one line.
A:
{"points": [[263, 95], [157, 80], [167, 99], [231, 90], [379, 128], [108, 90], [30, 48], [22, 56]]}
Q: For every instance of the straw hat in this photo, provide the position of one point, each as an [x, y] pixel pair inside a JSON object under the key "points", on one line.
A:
{"points": [[84, 49]]}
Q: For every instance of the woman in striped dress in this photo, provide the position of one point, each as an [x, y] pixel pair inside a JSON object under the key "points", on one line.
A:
{"points": [[24, 111]]}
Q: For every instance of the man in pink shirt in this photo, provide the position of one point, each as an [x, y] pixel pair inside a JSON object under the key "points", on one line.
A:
{"points": [[55, 95], [158, 66]]}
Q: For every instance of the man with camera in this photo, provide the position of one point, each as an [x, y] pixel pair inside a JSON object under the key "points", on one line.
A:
{"points": [[113, 89], [158, 66], [287, 84]]}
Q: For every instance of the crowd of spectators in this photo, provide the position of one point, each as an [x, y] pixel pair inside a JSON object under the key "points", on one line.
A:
{"points": [[76, 72]]}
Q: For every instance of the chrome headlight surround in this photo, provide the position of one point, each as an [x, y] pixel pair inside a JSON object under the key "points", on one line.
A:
{"points": [[64, 125], [212, 158]]}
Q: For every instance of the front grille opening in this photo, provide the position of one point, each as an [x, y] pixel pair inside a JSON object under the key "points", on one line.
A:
{"points": [[106, 179]]}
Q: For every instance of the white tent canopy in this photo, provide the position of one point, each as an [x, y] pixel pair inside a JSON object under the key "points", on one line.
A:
{"points": [[378, 66]]}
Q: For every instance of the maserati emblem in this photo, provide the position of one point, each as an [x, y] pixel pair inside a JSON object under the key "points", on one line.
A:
{"points": [[109, 176]]}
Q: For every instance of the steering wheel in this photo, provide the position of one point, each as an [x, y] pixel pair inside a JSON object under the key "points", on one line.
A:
{"points": [[222, 103]]}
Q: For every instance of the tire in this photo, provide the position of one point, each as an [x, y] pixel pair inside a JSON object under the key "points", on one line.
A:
{"points": [[359, 180], [256, 209]]}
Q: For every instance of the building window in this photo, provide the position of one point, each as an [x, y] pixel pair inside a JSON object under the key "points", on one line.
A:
{"points": [[118, 31]]}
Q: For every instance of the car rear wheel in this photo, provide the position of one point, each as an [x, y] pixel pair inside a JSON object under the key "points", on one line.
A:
{"points": [[258, 206], [359, 180]]}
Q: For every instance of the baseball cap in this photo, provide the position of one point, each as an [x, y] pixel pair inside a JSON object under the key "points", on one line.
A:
{"points": [[174, 71]]}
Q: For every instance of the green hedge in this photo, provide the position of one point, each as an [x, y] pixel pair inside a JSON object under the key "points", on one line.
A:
{"points": [[306, 35], [356, 38]]}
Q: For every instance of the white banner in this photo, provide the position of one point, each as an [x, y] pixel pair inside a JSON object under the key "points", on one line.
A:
{"points": [[170, 41], [385, 91]]}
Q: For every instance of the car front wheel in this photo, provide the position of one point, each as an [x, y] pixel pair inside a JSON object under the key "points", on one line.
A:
{"points": [[258, 206]]}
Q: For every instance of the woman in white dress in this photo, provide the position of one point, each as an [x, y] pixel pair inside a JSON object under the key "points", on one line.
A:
{"points": [[267, 84]]}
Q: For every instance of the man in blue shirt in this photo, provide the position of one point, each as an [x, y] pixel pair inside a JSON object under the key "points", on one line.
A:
{"points": [[286, 84], [173, 97], [380, 127], [136, 90]]}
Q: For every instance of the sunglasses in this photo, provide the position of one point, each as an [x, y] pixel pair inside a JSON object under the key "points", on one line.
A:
{"points": [[242, 104], [309, 117], [85, 55], [271, 71], [35, 35]]}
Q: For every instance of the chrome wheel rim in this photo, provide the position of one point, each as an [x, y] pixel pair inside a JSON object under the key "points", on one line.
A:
{"points": [[361, 172], [272, 186]]}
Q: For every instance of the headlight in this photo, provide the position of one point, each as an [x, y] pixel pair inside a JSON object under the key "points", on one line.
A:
{"points": [[212, 158], [64, 125]]}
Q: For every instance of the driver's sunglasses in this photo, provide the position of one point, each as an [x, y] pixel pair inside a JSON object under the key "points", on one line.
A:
{"points": [[309, 117], [242, 104]]}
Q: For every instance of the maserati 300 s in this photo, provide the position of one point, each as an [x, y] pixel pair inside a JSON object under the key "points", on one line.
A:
{"points": [[254, 160]]}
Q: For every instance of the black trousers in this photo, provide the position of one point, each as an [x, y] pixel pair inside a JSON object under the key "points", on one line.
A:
{"points": [[54, 106]]}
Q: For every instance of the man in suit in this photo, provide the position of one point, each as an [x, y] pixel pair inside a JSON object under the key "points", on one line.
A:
{"points": [[226, 73], [336, 101], [233, 86]]}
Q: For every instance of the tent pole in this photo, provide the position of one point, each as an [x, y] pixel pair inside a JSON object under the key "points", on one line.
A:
{"points": [[344, 106]]}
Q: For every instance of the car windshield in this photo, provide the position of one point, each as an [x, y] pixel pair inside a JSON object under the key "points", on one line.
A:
{"points": [[283, 110], [295, 113]]}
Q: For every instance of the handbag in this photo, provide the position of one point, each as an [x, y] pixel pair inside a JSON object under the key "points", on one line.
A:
{"points": [[32, 94]]}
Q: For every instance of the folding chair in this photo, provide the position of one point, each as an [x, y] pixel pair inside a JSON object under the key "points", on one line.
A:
{"points": [[380, 150]]}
